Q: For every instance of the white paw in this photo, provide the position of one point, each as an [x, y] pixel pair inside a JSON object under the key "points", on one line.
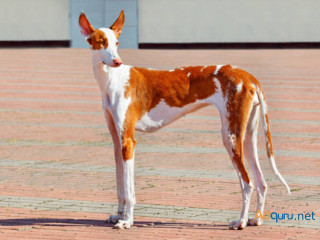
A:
{"points": [[122, 224], [255, 222], [238, 224], [114, 218]]}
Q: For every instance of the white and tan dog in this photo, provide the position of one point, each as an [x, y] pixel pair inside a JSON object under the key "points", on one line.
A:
{"points": [[146, 100]]}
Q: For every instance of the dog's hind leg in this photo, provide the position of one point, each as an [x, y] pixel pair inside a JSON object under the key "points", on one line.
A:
{"points": [[234, 119], [234, 146], [251, 154]]}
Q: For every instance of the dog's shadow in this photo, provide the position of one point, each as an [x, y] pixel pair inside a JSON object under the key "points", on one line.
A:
{"points": [[59, 222]]}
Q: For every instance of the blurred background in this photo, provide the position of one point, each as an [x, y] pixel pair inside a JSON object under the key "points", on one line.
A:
{"points": [[165, 23]]}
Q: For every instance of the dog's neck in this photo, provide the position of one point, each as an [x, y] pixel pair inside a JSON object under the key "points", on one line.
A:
{"points": [[102, 73]]}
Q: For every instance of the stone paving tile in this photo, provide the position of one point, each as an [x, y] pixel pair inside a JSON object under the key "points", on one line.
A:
{"points": [[184, 137], [34, 224], [50, 115], [211, 173], [102, 156], [147, 210], [216, 193]]}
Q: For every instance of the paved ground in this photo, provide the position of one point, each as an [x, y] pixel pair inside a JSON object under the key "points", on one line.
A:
{"points": [[57, 168]]}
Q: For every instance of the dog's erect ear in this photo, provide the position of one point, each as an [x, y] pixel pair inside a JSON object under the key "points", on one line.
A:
{"points": [[118, 24], [86, 27]]}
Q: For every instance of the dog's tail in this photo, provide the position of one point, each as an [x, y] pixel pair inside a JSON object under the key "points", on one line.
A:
{"points": [[265, 120]]}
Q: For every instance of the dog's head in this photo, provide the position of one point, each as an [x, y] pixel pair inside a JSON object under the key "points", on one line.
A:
{"points": [[104, 41]]}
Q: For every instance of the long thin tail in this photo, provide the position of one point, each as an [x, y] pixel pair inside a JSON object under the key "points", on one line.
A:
{"points": [[265, 120]]}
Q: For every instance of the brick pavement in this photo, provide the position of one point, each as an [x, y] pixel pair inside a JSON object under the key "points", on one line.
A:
{"points": [[56, 158]]}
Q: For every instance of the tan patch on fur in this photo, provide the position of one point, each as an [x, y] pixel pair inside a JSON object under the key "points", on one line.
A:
{"points": [[267, 133], [269, 142], [98, 40], [177, 88], [128, 145]]}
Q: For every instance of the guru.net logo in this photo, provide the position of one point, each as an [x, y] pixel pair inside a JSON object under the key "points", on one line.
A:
{"points": [[285, 216]]}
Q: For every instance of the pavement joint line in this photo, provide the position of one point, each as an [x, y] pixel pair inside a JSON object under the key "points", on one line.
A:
{"points": [[201, 117], [144, 210], [101, 114], [43, 70], [265, 86], [49, 100], [148, 148], [147, 171], [178, 130], [50, 92], [96, 102], [93, 80], [293, 110], [54, 85], [292, 100], [98, 94], [50, 79], [289, 81], [51, 111], [277, 93]]}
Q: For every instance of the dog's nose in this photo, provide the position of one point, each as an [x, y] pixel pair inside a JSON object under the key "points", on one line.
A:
{"points": [[117, 62]]}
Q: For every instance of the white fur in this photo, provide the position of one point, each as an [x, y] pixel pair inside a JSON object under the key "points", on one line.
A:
{"points": [[217, 69], [118, 102], [251, 154], [147, 124], [128, 171], [239, 87], [246, 195], [232, 139], [163, 114], [203, 68], [220, 101]]}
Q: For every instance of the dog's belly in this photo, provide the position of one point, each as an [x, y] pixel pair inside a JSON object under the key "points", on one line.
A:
{"points": [[163, 114]]}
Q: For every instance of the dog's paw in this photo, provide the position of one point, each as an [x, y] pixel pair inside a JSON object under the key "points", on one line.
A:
{"points": [[122, 224], [238, 224], [255, 222], [114, 218]]}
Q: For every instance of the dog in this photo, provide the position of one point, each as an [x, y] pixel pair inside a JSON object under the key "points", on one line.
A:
{"points": [[135, 98]]}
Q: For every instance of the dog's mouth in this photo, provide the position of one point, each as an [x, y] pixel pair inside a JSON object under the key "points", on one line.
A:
{"points": [[114, 65]]}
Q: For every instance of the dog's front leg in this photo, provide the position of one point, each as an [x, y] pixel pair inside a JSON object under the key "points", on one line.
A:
{"points": [[119, 170], [128, 143]]}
